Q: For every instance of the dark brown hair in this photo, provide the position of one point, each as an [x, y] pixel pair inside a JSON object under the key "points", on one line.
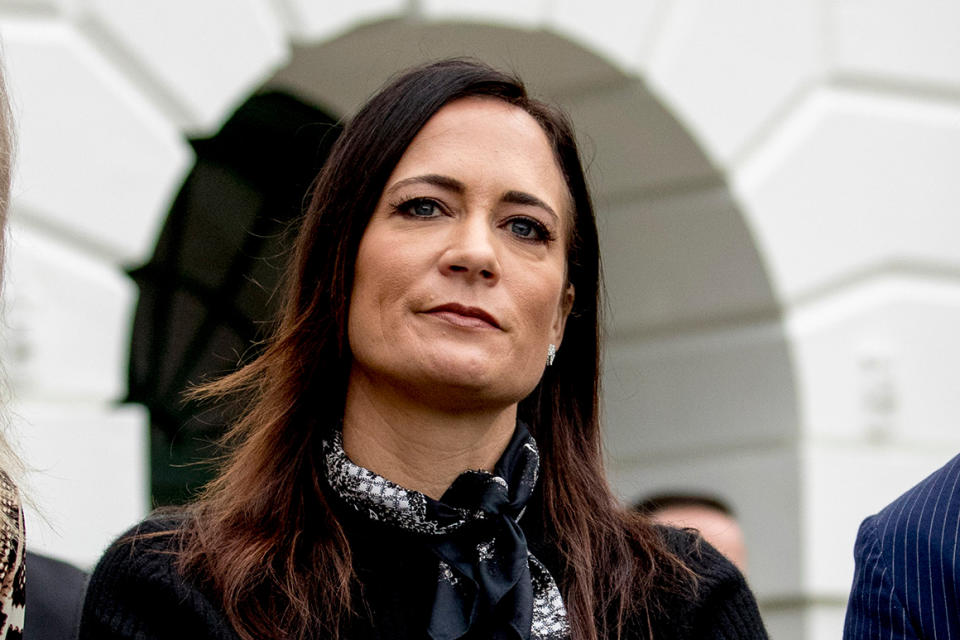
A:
{"points": [[263, 536]]}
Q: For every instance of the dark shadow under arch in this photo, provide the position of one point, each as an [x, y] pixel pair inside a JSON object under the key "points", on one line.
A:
{"points": [[208, 291]]}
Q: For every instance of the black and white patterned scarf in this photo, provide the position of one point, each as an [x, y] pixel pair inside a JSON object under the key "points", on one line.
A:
{"points": [[485, 568]]}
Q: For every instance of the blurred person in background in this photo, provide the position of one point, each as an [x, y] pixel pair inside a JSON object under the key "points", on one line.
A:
{"points": [[418, 453], [711, 517], [907, 579], [12, 542]]}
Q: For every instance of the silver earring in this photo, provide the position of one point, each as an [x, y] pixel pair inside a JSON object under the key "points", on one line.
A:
{"points": [[551, 353]]}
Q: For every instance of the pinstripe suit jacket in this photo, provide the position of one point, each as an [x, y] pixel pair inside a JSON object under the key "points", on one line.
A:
{"points": [[907, 580]]}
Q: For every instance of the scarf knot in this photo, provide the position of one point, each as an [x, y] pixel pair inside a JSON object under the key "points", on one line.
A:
{"points": [[486, 575]]}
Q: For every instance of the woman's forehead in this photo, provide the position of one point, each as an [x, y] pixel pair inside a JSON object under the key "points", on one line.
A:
{"points": [[486, 140]]}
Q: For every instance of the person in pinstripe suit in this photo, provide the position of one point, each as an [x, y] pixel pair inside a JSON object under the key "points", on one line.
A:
{"points": [[907, 580]]}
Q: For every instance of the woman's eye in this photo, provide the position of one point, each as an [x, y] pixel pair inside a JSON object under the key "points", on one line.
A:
{"points": [[421, 208], [527, 229]]}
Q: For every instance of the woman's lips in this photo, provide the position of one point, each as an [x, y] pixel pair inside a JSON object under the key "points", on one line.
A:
{"points": [[464, 316]]}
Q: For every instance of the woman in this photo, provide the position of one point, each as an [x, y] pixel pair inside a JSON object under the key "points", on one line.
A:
{"points": [[419, 454]]}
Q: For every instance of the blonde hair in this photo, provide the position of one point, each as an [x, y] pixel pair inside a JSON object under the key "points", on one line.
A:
{"points": [[6, 163], [11, 467]]}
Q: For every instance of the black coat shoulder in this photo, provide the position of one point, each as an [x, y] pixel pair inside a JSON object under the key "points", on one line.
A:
{"points": [[136, 591], [55, 591], [722, 608]]}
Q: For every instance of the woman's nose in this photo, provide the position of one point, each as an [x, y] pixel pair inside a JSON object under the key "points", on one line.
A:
{"points": [[471, 252]]}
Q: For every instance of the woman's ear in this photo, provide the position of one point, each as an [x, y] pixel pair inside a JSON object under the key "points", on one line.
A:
{"points": [[563, 312]]}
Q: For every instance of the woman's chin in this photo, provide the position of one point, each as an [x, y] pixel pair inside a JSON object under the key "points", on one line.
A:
{"points": [[470, 383]]}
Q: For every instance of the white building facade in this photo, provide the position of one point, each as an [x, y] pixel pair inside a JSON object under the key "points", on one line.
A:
{"points": [[778, 191]]}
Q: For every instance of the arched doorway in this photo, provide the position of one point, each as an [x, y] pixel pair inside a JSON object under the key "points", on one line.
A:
{"points": [[699, 386]]}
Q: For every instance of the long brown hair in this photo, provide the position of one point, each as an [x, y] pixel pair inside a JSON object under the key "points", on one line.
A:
{"points": [[262, 535]]}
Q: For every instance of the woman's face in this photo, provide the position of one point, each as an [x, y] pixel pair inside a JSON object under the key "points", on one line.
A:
{"points": [[460, 279]]}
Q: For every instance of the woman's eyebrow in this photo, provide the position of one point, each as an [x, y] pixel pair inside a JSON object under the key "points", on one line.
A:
{"points": [[524, 198], [444, 182], [454, 185]]}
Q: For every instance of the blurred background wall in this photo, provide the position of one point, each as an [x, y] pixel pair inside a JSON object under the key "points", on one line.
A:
{"points": [[777, 186]]}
